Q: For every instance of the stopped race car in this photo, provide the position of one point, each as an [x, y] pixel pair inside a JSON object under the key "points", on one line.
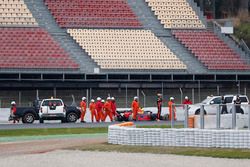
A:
{"points": [[211, 104]]}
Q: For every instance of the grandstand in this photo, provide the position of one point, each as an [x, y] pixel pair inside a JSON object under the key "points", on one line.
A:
{"points": [[114, 44]]}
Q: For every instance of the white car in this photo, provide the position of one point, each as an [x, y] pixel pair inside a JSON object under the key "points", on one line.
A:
{"points": [[211, 104], [52, 109]]}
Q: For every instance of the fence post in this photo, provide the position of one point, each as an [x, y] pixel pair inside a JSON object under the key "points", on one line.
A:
{"points": [[172, 118], [202, 117], [248, 116], [234, 116], [186, 116], [218, 117]]}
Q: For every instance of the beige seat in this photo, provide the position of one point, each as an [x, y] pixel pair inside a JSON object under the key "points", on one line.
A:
{"points": [[15, 13], [175, 14], [126, 49]]}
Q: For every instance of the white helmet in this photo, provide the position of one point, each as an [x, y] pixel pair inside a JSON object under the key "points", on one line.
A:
{"points": [[103, 101], [98, 98], [108, 98], [112, 98], [83, 98], [13, 103], [135, 98], [171, 98], [186, 97], [92, 100]]}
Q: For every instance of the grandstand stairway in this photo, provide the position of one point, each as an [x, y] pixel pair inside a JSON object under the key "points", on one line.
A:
{"points": [[45, 20], [149, 21], [147, 18], [232, 44]]}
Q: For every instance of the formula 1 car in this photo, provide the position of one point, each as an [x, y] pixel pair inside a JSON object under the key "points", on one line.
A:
{"points": [[126, 115]]}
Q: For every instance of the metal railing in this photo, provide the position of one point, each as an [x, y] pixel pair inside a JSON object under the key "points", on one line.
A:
{"points": [[234, 111]]}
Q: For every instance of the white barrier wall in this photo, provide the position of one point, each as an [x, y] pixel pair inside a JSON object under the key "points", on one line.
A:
{"points": [[179, 137], [225, 123]]}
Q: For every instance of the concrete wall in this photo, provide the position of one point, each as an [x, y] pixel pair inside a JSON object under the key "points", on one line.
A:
{"points": [[179, 137]]}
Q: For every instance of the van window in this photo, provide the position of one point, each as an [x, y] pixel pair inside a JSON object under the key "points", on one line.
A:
{"points": [[243, 99], [228, 99], [217, 100], [52, 103]]}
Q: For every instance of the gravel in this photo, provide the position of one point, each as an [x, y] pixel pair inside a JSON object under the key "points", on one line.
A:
{"points": [[66, 158]]}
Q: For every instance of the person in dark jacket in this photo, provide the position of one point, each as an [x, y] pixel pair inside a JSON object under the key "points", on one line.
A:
{"points": [[223, 105], [237, 103], [159, 106]]}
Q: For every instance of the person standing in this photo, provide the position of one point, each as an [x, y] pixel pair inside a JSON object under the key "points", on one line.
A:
{"points": [[13, 112], [98, 106], [135, 108], [171, 107], [187, 101], [108, 110], [224, 105], [83, 107], [113, 106], [237, 103], [92, 108], [159, 106], [103, 112]]}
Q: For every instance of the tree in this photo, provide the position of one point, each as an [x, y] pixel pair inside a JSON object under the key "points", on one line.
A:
{"points": [[243, 5]]}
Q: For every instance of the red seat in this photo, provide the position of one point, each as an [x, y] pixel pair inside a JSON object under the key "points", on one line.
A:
{"points": [[27, 51], [210, 50], [94, 14]]}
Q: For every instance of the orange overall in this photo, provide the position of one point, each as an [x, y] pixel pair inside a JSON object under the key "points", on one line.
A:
{"points": [[99, 115], [83, 109], [135, 109], [171, 108], [113, 107], [92, 108], [108, 111]]}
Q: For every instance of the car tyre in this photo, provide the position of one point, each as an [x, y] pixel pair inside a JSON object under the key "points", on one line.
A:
{"points": [[71, 117], [41, 120], [197, 112], [28, 118]]}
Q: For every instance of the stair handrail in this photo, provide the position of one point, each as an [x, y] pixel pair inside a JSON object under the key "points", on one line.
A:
{"points": [[240, 43], [245, 47]]}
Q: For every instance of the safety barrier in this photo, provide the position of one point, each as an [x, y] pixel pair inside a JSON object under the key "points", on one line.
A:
{"points": [[178, 137]]}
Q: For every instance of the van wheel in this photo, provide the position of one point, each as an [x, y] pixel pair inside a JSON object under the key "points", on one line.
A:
{"points": [[197, 112], [72, 117], [28, 118], [41, 120]]}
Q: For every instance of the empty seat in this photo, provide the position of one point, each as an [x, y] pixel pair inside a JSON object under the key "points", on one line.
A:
{"points": [[32, 48], [15, 13], [210, 50], [126, 49], [93, 14], [175, 14]]}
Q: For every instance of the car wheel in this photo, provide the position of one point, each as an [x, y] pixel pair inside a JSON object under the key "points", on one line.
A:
{"points": [[197, 112], [28, 118], [63, 120], [72, 117], [41, 120]]}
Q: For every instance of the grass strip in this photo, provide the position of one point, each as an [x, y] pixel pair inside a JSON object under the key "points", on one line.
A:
{"points": [[64, 131], [51, 131], [186, 151]]}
